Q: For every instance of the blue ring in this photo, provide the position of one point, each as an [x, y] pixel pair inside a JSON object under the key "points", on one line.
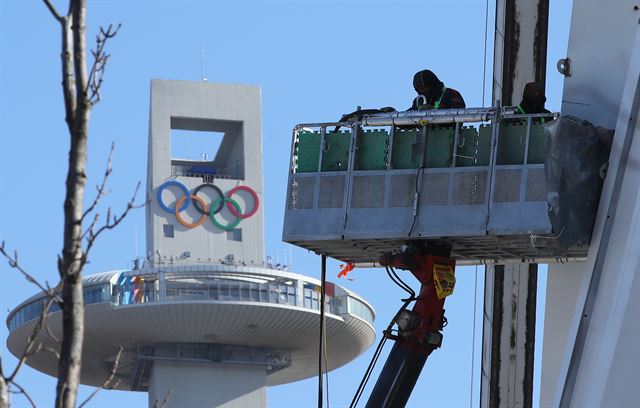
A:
{"points": [[182, 187]]}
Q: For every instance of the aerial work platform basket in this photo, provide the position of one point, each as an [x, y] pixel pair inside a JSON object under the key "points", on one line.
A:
{"points": [[473, 178]]}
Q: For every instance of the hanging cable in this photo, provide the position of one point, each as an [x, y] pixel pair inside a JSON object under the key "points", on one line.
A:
{"points": [[402, 284], [394, 279], [376, 355], [484, 64], [473, 336], [367, 373], [416, 202], [326, 363], [323, 278], [374, 359]]}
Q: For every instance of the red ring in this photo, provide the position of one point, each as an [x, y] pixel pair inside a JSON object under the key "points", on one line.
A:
{"points": [[237, 213]]}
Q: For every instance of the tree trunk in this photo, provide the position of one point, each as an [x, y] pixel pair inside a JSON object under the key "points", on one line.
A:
{"points": [[4, 394], [70, 265], [71, 350]]}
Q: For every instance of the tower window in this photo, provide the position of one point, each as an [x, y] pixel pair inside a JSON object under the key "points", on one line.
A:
{"points": [[168, 231], [234, 234]]}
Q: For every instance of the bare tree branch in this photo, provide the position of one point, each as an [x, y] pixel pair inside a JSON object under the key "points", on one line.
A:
{"points": [[51, 335], [32, 346], [101, 189], [23, 392], [100, 59], [52, 351], [13, 262], [110, 223], [53, 10], [163, 403], [108, 381]]}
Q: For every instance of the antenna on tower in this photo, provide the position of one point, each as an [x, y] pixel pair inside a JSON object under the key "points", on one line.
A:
{"points": [[204, 78]]}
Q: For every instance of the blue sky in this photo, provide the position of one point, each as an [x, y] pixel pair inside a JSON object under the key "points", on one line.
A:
{"points": [[314, 61]]}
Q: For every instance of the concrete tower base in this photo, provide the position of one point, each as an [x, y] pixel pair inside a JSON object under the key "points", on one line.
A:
{"points": [[200, 385]]}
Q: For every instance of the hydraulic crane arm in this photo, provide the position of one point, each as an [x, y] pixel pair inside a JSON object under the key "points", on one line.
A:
{"points": [[419, 329]]}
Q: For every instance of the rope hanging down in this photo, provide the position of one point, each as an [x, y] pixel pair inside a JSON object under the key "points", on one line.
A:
{"points": [[321, 348]]}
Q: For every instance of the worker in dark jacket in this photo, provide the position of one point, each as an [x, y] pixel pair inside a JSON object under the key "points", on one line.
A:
{"points": [[432, 94], [533, 100]]}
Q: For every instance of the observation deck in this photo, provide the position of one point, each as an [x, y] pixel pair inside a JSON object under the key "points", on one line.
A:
{"points": [[209, 313], [478, 179]]}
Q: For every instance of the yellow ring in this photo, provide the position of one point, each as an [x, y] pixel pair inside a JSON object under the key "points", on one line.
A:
{"points": [[202, 219]]}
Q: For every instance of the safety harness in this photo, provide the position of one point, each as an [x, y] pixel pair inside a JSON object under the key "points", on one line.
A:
{"points": [[524, 113], [436, 105]]}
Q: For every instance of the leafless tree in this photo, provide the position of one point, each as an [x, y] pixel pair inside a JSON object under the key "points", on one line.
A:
{"points": [[81, 89]]}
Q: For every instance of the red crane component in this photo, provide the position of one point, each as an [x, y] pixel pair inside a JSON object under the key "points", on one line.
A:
{"points": [[437, 279], [418, 329]]}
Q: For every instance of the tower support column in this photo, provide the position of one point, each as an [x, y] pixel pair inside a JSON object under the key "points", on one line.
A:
{"points": [[195, 384]]}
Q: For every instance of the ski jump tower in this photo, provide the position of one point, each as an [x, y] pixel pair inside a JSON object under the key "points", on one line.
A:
{"points": [[203, 321]]}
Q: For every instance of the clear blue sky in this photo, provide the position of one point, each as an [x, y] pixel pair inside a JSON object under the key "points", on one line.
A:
{"points": [[314, 61]]}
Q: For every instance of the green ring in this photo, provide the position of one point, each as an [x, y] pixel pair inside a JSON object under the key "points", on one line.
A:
{"points": [[214, 204]]}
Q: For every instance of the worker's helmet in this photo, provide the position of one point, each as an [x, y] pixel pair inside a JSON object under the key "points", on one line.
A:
{"points": [[533, 92], [425, 82]]}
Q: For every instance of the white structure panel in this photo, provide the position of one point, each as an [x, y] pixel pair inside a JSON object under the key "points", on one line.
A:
{"points": [[195, 385], [558, 317], [600, 44], [602, 89], [602, 364]]}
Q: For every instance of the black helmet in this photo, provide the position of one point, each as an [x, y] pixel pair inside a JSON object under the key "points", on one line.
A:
{"points": [[427, 83]]}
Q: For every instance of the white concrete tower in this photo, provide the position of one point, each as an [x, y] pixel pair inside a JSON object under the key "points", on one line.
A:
{"points": [[203, 321], [229, 177]]}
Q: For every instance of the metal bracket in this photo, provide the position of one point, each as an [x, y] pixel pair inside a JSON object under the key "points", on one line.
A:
{"points": [[564, 66]]}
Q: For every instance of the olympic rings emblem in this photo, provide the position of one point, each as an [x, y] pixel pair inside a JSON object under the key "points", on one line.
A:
{"points": [[205, 210]]}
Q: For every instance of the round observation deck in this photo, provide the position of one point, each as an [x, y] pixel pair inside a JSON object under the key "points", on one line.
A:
{"points": [[198, 313]]}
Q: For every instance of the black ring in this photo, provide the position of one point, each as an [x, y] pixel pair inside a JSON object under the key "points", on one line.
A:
{"points": [[197, 204]]}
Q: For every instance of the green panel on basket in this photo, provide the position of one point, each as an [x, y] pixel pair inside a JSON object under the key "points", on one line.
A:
{"points": [[405, 154], [439, 147], [484, 145], [467, 148], [335, 156], [537, 150], [511, 143], [372, 150], [308, 152], [467, 156]]}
